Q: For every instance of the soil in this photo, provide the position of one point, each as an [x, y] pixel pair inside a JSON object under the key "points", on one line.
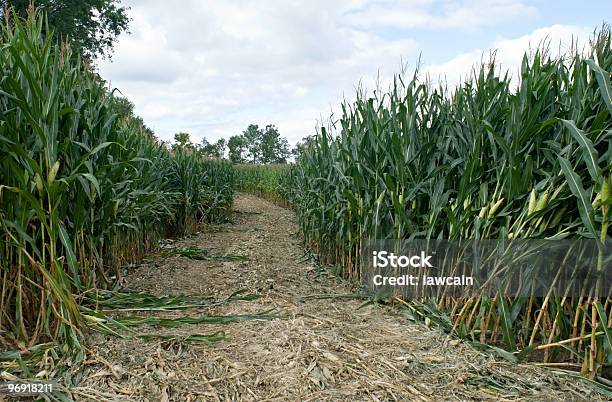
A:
{"points": [[317, 348]]}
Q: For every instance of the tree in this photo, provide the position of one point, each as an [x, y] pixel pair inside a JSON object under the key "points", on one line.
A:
{"points": [[283, 152], [182, 140], [123, 107], [252, 142], [301, 147], [92, 26], [220, 146], [273, 147], [215, 150], [140, 122], [125, 111], [205, 148], [236, 148], [255, 145], [204, 144]]}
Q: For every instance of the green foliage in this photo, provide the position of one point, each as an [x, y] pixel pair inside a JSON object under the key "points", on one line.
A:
{"points": [[201, 254], [91, 26], [205, 188], [483, 160], [207, 319], [84, 188], [183, 140], [252, 140], [236, 148], [214, 150], [301, 147], [274, 148], [259, 146], [264, 180], [125, 111], [463, 164]]}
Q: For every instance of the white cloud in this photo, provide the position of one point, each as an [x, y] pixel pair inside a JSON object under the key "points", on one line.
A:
{"points": [[435, 14], [213, 67], [145, 56], [509, 53], [222, 65]]}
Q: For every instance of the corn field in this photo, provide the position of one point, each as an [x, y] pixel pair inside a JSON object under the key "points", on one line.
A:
{"points": [[269, 181], [83, 193], [485, 160]]}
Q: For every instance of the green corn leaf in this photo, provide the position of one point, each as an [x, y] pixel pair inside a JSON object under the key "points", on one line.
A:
{"points": [[584, 204], [603, 317], [589, 154], [506, 323], [93, 180], [71, 257], [603, 79]]}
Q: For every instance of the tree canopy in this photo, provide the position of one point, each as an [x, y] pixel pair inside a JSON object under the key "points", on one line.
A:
{"points": [[213, 150], [302, 146], [125, 109], [204, 148], [256, 145], [236, 146], [92, 26]]}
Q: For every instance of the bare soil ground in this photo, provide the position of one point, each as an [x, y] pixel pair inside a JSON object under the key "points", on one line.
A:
{"points": [[319, 349]]}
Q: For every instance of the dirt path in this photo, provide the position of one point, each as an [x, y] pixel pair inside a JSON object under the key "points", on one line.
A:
{"points": [[319, 350]]}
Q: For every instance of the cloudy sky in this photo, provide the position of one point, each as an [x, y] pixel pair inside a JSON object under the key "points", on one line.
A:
{"points": [[212, 67]]}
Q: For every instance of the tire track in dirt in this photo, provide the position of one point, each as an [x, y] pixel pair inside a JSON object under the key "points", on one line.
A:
{"points": [[319, 350]]}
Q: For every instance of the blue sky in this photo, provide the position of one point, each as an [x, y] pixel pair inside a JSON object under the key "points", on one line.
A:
{"points": [[212, 67]]}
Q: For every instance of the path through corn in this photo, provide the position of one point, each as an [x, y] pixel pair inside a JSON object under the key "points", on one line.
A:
{"points": [[320, 349]]}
